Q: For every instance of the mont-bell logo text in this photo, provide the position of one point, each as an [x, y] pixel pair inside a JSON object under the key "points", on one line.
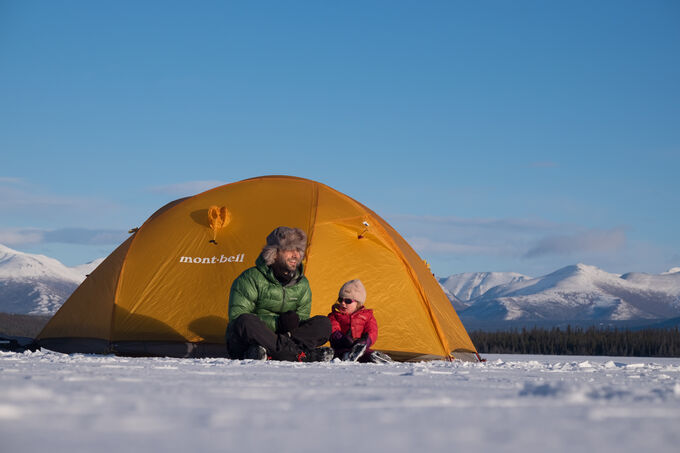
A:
{"points": [[212, 259]]}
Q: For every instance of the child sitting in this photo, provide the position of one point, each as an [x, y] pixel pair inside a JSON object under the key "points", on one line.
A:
{"points": [[354, 329]]}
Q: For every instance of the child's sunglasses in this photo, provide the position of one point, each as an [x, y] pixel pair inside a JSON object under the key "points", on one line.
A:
{"points": [[347, 301]]}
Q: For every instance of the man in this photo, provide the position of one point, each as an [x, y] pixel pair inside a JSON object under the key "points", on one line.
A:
{"points": [[270, 304]]}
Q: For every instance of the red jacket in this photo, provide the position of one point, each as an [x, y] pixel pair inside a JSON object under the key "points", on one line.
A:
{"points": [[359, 323]]}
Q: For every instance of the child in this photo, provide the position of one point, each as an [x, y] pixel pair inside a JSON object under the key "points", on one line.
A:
{"points": [[354, 329]]}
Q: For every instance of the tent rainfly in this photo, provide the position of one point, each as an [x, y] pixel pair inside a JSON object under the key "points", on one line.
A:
{"points": [[164, 291]]}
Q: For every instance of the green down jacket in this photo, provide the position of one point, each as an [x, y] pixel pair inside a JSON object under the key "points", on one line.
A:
{"points": [[258, 291]]}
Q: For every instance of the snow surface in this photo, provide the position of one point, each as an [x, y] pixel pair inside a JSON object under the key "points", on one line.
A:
{"points": [[84, 403]]}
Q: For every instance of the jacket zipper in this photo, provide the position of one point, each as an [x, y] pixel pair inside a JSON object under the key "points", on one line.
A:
{"points": [[283, 299]]}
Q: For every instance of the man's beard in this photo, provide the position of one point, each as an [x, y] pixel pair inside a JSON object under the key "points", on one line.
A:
{"points": [[283, 272]]}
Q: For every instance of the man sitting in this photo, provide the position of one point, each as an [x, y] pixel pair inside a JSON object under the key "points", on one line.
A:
{"points": [[270, 305]]}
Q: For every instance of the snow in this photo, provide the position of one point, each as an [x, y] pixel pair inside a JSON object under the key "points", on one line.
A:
{"points": [[83, 270], [64, 403], [667, 281], [19, 266], [470, 285], [580, 292], [37, 284], [458, 305]]}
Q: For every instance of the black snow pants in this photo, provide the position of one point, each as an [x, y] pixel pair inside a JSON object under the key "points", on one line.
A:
{"points": [[248, 330]]}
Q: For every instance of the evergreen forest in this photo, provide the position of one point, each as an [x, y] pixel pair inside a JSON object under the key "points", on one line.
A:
{"points": [[580, 341]]}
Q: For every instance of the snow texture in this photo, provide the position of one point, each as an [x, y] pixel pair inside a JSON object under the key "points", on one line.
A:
{"points": [[83, 403]]}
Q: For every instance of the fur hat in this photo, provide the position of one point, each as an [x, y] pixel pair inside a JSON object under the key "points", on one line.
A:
{"points": [[353, 289], [284, 238]]}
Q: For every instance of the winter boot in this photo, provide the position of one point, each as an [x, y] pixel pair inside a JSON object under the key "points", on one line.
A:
{"points": [[256, 352], [317, 355], [357, 351], [380, 357]]}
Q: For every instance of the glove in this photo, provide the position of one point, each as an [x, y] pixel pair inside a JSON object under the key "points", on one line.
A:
{"points": [[288, 322], [341, 341], [364, 339]]}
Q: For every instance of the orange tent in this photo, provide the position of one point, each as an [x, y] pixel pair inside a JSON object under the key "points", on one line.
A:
{"points": [[164, 290]]}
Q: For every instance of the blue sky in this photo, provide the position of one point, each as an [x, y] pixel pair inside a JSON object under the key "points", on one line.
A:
{"points": [[495, 136]]}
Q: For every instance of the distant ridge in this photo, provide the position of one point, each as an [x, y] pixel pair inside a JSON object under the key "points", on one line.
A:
{"points": [[577, 294], [36, 284], [471, 285], [458, 304]]}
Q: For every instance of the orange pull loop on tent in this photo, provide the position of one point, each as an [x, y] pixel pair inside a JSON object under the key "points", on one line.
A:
{"points": [[218, 218]]}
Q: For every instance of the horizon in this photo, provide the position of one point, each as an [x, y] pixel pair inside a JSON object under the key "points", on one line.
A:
{"points": [[505, 137], [672, 270]]}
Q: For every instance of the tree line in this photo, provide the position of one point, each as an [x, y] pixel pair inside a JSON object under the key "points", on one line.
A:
{"points": [[579, 341], [22, 325]]}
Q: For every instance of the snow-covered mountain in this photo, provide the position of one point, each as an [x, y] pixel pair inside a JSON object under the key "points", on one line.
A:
{"points": [[37, 284], [471, 285], [458, 304], [674, 270], [579, 293]]}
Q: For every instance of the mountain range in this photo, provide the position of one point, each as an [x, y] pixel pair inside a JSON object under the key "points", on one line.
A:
{"points": [[577, 295], [36, 284], [574, 295], [471, 285]]}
